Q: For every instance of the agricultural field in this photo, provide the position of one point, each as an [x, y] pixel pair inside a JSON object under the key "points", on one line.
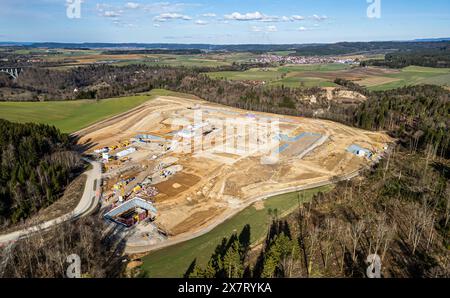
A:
{"points": [[202, 60], [179, 60], [411, 75], [70, 116], [289, 76], [83, 57], [174, 260], [324, 75]]}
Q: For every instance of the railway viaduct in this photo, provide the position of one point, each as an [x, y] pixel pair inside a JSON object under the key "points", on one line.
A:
{"points": [[12, 71]]}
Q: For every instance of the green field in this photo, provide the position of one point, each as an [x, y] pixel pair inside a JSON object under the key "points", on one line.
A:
{"points": [[314, 67], [249, 75], [204, 60], [414, 75], [322, 75], [177, 60], [303, 82], [174, 260], [70, 116], [288, 76]]}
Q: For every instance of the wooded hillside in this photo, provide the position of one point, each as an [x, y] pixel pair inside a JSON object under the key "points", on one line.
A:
{"points": [[36, 165]]}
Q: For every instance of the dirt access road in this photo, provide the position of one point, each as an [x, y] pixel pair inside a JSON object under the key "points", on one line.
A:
{"points": [[137, 249], [88, 203]]}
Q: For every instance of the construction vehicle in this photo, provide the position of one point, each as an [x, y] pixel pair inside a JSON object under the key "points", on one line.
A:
{"points": [[124, 159], [137, 189]]}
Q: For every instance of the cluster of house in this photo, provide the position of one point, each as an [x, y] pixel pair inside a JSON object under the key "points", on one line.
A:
{"points": [[269, 58]]}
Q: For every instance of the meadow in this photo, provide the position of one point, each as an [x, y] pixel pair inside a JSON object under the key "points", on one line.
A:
{"points": [[77, 57], [288, 76], [411, 75], [173, 261], [71, 116], [323, 75]]}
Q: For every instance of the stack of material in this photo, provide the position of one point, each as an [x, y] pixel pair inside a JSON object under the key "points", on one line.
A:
{"points": [[149, 192]]}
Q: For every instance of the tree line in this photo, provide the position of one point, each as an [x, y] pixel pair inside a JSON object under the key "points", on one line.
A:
{"points": [[37, 163], [439, 58], [417, 115], [399, 211]]}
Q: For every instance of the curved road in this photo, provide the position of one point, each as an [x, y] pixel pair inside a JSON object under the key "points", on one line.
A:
{"points": [[185, 237], [88, 203], [90, 200]]}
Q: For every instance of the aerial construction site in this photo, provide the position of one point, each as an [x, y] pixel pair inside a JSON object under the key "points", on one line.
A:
{"points": [[174, 167]]}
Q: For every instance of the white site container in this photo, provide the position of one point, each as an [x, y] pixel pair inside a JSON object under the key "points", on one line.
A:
{"points": [[126, 152], [105, 157]]}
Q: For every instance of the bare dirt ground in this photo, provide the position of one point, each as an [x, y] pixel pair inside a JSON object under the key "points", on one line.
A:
{"points": [[340, 95], [213, 182]]}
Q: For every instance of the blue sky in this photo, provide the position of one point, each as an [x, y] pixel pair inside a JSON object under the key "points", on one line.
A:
{"points": [[222, 21]]}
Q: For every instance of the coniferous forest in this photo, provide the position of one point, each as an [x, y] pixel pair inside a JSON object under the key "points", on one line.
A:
{"points": [[37, 163]]}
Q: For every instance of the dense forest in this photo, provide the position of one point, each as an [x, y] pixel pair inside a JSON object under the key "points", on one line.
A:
{"points": [[36, 165], [343, 48], [428, 58], [417, 115], [400, 210]]}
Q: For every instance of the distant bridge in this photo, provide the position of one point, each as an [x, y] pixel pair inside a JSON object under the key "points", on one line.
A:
{"points": [[12, 71]]}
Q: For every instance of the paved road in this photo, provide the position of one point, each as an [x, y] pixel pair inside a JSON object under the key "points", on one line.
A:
{"points": [[88, 203], [130, 249]]}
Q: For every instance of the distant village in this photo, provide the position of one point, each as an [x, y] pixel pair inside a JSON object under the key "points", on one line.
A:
{"points": [[270, 58]]}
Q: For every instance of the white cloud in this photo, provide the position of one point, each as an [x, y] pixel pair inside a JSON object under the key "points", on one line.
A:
{"points": [[319, 18], [156, 25], [201, 23], [111, 14], [171, 16], [164, 7], [297, 18], [266, 29], [108, 11], [132, 5], [302, 29], [121, 23], [250, 16], [209, 15], [258, 16]]}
